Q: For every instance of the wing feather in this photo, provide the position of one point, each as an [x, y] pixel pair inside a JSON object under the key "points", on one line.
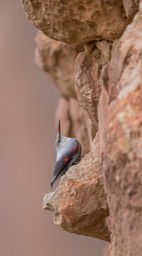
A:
{"points": [[62, 164]]}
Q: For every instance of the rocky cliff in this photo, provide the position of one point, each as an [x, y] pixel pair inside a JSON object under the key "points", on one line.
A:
{"points": [[93, 51]]}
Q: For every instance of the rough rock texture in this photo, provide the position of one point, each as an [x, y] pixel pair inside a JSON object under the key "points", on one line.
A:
{"points": [[77, 21], [103, 111], [79, 202], [88, 82], [123, 144]]}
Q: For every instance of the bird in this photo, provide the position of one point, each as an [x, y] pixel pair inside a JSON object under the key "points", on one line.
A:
{"points": [[68, 153]]}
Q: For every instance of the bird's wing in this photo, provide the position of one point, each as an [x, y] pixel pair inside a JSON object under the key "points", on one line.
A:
{"points": [[61, 165], [63, 162]]}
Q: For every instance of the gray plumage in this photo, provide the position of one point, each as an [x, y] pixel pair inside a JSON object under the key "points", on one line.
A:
{"points": [[68, 153]]}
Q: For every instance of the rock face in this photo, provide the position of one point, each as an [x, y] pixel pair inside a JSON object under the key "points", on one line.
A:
{"points": [[100, 81], [77, 21], [88, 82], [123, 145]]}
